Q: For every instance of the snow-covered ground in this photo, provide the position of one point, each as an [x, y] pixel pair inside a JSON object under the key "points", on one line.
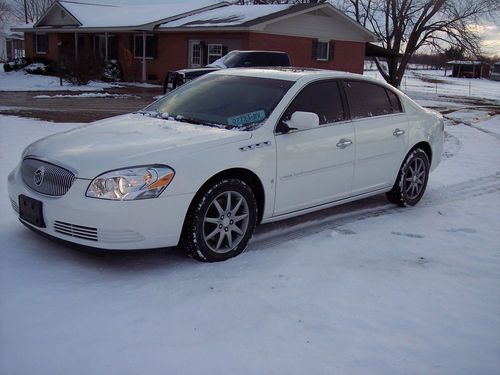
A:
{"points": [[373, 290], [427, 85], [86, 95], [21, 81], [364, 288]]}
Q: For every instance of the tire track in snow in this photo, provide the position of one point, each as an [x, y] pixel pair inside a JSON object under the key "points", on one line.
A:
{"points": [[278, 234]]}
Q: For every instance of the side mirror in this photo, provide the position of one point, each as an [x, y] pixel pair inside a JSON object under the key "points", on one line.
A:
{"points": [[304, 120], [298, 121]]}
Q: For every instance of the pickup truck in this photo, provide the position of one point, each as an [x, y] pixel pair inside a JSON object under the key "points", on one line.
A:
{"points": [[234, 59]]}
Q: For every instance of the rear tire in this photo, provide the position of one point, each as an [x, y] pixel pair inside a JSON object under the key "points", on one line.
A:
{"points": [[411, 181], [220, 221]]}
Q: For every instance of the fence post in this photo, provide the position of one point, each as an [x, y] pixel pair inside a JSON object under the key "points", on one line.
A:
{"points": [[436, 87], [469, 88], [406, 88]]}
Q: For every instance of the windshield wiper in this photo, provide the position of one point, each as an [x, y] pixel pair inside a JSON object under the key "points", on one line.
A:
{"points": [[196, 121]]}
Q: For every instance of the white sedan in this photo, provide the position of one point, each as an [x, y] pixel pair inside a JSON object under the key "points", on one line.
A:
{"points": [[202, 166]]}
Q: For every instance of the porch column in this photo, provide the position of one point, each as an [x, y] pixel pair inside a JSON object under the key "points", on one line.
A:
{"points": [[106, 46], [481, 72], [144, 56], [76, 45], [474, 71]]}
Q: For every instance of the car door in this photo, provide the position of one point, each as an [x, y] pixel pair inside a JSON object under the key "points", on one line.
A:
{"points": [[315, 166], [381, 129]]}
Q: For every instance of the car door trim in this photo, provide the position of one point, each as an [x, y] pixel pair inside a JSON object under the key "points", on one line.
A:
{"points": [[323, 206]]}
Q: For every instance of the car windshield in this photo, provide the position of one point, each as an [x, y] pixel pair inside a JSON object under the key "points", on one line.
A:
{"points": [[226, 101]]}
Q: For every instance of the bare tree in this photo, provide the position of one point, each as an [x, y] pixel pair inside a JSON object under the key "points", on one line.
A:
{"points": [[259, 2], [29, 10], [5, 12], [405, 26]]}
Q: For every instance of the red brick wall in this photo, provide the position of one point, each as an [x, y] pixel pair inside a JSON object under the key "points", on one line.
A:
{"points": [[52, 53], [349, 56], [173, 51]]}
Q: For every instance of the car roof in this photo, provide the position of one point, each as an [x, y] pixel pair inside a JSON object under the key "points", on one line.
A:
{"points": [[290, 73]]}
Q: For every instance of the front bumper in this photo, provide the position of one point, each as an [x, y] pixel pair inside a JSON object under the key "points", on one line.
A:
{"points": [[106, 224]]}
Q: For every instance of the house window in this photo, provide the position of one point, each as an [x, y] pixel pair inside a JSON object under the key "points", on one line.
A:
{"points": [[195, 55], [323, 50], [100, 46], [214, 52], [42, 43], [150, 46]]}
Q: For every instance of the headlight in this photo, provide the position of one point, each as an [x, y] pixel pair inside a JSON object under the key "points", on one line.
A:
{"points": [[131, 183]]}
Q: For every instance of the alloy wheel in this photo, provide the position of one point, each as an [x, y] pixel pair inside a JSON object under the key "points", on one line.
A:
{"points": [[225, 222]]}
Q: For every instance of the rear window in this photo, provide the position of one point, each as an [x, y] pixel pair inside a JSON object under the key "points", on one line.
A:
{"points": [[279, 59], [367, 99], [256, 59]]}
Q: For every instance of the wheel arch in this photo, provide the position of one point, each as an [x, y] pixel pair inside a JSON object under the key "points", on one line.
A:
{"points": [[243, 174], [426, 147]]}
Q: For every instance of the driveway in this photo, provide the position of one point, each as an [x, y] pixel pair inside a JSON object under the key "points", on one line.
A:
{"points": [[80, 107]]}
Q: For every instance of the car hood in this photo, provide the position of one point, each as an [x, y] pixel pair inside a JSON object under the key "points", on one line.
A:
{"points": [[128, 140]]}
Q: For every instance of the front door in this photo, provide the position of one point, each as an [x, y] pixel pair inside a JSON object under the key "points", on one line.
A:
{"points": [[315, 166]]}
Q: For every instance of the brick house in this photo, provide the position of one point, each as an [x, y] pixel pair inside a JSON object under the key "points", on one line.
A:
{"points": [[149, 40]]}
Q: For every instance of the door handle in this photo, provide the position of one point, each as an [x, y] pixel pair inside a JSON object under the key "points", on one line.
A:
{"points": [[343, 143], [398, 132]]}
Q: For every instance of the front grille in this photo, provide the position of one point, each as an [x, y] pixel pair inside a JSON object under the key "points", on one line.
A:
{"points": [[46, 178], [77, 231], [15, 206]]}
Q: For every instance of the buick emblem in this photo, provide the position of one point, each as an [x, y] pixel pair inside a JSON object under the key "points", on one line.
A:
{"points": [[38, 177]]}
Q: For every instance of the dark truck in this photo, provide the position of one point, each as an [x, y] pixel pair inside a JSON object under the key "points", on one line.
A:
{"points": [[234, 59]]}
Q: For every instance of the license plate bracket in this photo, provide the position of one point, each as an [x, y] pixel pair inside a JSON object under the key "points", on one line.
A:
{"points": [[31, 210]]}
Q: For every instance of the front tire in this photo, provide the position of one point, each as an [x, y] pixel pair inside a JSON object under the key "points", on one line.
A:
{"points": [[411, 181], [220, 222]]}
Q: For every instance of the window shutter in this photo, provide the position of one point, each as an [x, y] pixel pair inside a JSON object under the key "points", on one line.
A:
{"points": [[48, 44], [154, 47], [314, 54], [34, 43], [225, 50], [203, 53], [331, 49]]}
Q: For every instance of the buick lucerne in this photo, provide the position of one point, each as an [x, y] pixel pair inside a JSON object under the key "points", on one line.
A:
{"points": [[203, 165]]}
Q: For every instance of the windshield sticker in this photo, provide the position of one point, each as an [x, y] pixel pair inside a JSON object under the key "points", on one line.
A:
{"points": [[247, 118]]}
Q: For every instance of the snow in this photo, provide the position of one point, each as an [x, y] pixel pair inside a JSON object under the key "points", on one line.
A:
{"points": [[232, 15], [100, 15], [88, 95], [431, 84], [370, 288], [20, 81]]}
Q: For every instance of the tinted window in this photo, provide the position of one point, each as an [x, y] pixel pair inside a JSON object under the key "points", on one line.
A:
{"points": [[322, 98], [279, 59], [222, 100], [395, 103], [256, 59], [367, 99]]}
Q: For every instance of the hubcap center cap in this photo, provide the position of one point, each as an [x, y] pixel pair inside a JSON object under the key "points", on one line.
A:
{"points": [[225, 222]]}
